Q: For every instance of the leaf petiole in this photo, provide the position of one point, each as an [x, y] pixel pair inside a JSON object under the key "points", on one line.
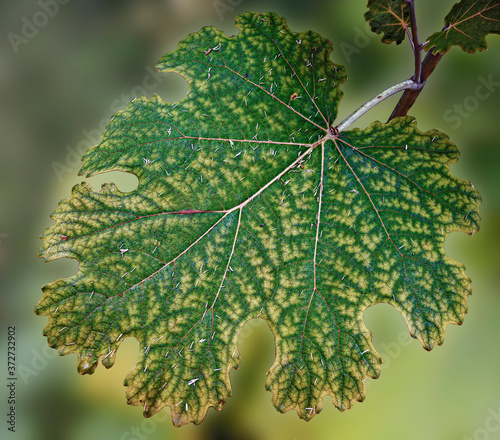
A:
{"points": [[404, 85]]}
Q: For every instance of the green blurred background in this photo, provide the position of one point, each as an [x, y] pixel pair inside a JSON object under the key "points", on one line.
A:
{"points": [[66, 79]]}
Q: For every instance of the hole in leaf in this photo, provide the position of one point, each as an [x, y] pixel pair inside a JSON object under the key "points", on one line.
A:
{"points": [[125, 182], [61, 268]]}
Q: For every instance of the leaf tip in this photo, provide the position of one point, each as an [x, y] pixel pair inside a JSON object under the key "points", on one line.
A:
{"points": [[86, 367]]}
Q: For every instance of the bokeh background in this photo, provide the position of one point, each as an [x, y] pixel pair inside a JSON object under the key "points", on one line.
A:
{"points": [[61, 81]]}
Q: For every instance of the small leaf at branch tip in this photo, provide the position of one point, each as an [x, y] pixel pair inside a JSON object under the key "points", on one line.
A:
{"points": [[390, 18], [467, 25], [253, 204]]}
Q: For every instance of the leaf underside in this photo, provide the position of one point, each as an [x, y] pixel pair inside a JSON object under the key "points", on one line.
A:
{"points": [[390, 18], [467, 25], [248, 206]]}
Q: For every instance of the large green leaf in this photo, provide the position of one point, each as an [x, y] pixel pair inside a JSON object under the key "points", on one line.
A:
{"points": [[249, 205], [390, 18], [467, 25]]}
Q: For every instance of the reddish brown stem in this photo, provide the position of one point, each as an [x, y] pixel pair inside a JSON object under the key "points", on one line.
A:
{"points": [[409, 96], [415, 42]]}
